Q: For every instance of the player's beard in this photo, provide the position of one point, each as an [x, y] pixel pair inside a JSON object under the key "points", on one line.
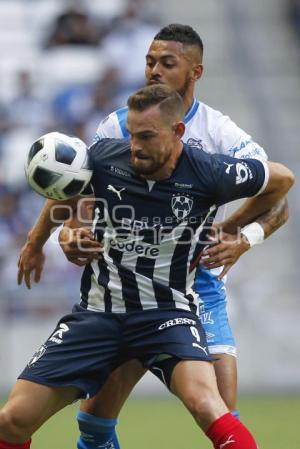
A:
{"points": [[182, 92], [149, 169]]}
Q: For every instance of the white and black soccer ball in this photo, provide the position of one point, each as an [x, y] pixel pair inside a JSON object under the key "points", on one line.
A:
{"points": [[57, 166]]}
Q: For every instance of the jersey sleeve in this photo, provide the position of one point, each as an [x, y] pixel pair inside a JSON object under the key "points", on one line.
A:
{"points": [[94, 151], [108, 127], [113, 126], [237, 178], [233, 141], [88, 190]]}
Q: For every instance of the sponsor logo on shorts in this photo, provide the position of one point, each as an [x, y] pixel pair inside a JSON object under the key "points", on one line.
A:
{"points": [[37, 355], [203, 348], [57, 336], [210, 336], [177, 322]]}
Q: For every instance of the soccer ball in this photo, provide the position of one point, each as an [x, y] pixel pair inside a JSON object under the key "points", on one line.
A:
{"points": [[57, 166]]}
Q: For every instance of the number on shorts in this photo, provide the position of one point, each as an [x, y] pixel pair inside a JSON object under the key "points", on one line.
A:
{"points": [[195, 333]]}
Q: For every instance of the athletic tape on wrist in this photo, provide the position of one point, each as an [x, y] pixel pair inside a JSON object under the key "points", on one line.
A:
{"points": [[254, 233]]}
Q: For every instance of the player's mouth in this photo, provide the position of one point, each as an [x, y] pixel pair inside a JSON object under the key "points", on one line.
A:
{"points": [[155, 81], [142, 157]]}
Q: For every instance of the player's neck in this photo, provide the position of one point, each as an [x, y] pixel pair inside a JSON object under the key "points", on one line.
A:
{"points": [[167, 169], [188, 100]]}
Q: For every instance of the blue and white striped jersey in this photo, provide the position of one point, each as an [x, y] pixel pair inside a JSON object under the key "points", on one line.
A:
{"points": [[154, 231], [213, 132]]}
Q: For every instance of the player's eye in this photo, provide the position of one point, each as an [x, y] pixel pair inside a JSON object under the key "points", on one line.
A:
{"points": [[169, 65], [150, 63]]}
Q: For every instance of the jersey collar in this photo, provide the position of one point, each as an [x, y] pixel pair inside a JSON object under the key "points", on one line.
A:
{"points": [[192, 111]]}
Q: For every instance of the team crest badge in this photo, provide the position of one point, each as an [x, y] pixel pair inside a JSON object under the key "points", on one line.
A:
{"points": [[181, 206], [195, 143], [37, 355]]}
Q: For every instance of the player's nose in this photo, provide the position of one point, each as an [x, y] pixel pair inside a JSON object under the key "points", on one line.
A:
{"points": [[135, 146], [156, 71]]}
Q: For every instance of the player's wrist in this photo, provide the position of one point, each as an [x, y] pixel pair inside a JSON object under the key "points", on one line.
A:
{"points": [[34, 242], [254, 233]]}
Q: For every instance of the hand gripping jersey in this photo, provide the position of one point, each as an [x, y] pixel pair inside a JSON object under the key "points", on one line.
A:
{"points": [[213, 132], [154, 231]]}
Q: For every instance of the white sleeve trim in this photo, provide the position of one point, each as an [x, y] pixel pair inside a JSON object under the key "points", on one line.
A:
{"points": [[267, 176]]}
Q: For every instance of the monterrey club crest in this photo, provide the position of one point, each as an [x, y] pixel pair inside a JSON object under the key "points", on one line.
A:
{"points": [[181, 205], [37, 355]]}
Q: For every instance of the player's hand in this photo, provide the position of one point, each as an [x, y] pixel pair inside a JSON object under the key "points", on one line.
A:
{"points": [[31, 259], [224, 250], [79, 245]]}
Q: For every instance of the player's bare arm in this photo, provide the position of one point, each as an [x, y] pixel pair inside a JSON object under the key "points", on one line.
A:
{"points": [[227, 248], [31, 259], [228, 243], [270, 220]]}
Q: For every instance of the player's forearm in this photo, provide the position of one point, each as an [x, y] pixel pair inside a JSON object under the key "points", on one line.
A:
{"points": [[271, 220], [274, 218], [53, 214], [269, 207]]}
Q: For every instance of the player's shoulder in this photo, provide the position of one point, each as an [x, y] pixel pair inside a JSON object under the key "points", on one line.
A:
{"points": [[108, 148], [199, 159], [226, 137], [114, 125], [212, 117], [210, 124]]}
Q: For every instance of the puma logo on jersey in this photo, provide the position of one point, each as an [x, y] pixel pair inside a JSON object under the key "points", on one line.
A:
{"points": [[227, 442], [228, 167], [114, 190]]}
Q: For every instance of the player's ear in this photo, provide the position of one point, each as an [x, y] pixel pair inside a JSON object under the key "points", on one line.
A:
{"points": [[197, 72], [179, 129]]}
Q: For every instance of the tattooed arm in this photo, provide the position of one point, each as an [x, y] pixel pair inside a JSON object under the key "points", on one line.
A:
{"points": [[226, 250]]}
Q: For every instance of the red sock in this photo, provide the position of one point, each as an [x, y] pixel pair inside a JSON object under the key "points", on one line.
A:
{"points": [[6, 445], [229, 433]]}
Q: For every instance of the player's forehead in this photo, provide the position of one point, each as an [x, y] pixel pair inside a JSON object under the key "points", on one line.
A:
{"points": [[143, 121], [162, 49]]}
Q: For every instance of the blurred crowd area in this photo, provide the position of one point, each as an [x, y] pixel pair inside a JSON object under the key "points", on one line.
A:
{"points": [[64, 66]]}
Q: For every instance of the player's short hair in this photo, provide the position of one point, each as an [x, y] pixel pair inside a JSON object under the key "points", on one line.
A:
{"points": [[180, 33], [169, 101]]}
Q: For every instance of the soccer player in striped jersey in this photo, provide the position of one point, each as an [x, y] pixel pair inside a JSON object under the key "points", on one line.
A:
{"points": [[175, 59], [154, 200]]}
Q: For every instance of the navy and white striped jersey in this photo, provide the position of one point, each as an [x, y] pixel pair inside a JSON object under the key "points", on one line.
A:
{"points": [[153, 231], [212, 132]]}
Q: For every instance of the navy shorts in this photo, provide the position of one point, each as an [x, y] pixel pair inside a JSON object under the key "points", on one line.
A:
{"points": [[86, 346]]}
